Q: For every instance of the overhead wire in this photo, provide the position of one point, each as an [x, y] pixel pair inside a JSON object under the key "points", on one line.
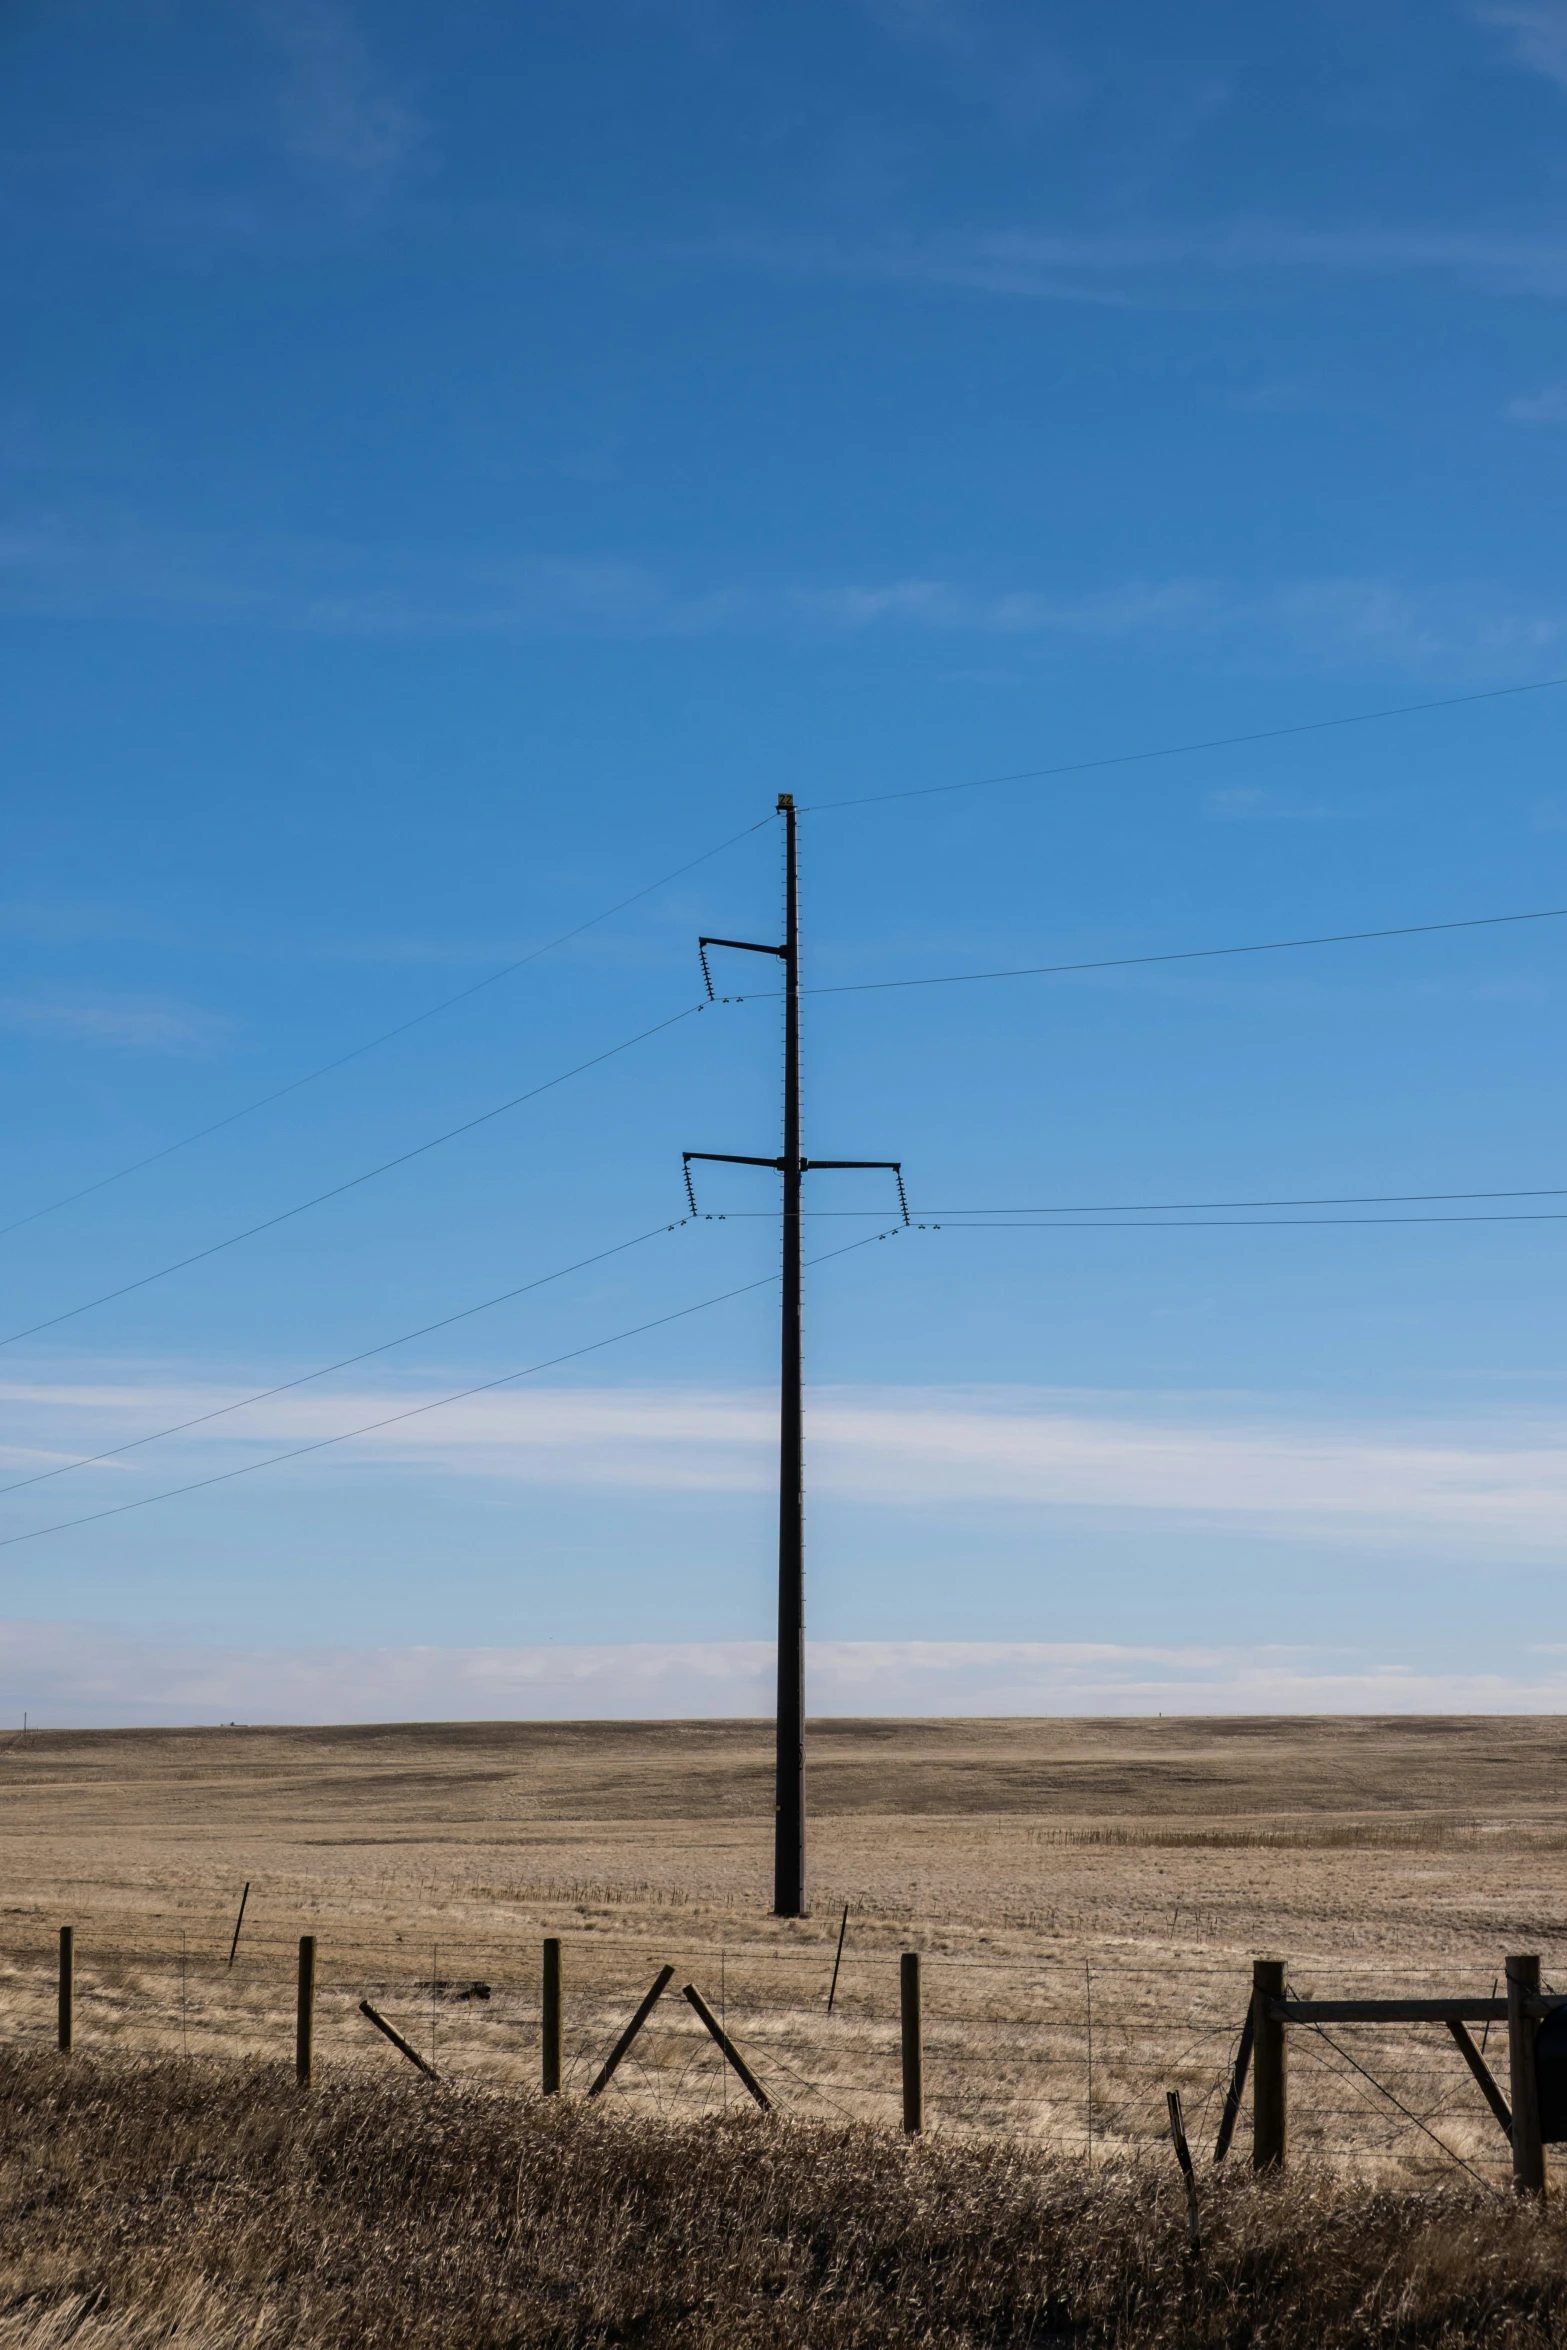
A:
{"points": [[387, 1035], [923, 791], [1153, 1207], [436, 1403], [344, 1362], [1220, 742], [352, 1182], [951, 1223], [1266, 946]]}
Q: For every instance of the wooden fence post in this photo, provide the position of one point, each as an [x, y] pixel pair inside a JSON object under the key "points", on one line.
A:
{"points": [[913, 2052], [1523, 1984], [1269, 2068], [305, 2012], [67, 2012], [552, 2018]]}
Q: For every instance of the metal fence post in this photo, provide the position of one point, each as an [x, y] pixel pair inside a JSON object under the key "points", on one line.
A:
{"points": [[1269, 2068], [305, 2012], [67, 2013], [551, 2018], [1523, 1984], [913, 2052]]}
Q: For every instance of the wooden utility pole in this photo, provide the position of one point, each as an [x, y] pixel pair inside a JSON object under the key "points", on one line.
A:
{"points": [[789, 1796], [789, 1801]]}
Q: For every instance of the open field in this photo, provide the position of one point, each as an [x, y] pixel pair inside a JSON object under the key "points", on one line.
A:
{"points": [[1064, 1879]]}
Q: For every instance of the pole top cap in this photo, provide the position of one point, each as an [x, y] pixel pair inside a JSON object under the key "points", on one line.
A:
{"points": [[786, 799]]}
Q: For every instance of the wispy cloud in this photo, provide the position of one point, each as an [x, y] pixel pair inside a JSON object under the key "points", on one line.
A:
{"points": [[1252, 803], [1536, 33], [330, 589], [1140, 1461], [301, 135], [84, 1674], [1050, 262], [998, 57], [342, 118], [1544, 407], [142, 1028]]}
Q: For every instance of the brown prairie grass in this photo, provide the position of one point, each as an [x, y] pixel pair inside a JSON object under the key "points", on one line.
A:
{"points": [[1087, 1896], [209, 2208]]}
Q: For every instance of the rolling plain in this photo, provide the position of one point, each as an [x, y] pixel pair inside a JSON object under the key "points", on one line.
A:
{"points": [[1087, 1896]]}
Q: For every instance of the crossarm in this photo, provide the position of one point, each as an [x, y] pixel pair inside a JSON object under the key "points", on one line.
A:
{"points": [[742, 946], [889, 1166]]}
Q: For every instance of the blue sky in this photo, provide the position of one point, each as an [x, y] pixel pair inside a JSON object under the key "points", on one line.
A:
{"points": [[458, 467]]}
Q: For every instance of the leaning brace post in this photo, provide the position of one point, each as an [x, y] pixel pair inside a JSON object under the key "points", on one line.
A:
{"points": [[611, 2065], [305, 2012], [913, 2049], [1183, 2155], [238, 1922], [67, 2003], [1269, 2068], [726, 2046], [1482, 2073], [1523, 1987], [1237, 2088], [404, 2047], [551, 2016]]}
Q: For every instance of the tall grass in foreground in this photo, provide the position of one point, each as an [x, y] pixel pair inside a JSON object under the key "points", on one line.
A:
{"points": [[207, 2208]]}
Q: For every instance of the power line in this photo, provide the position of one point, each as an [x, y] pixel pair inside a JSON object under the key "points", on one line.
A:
{"points": [[1159, 1207], [1267, 946], [415, 1411], [285, 1215], [1243, 1223], [1153, 1207], [386, 1036], [924, 791], [1221, 742], [346, 1362]]}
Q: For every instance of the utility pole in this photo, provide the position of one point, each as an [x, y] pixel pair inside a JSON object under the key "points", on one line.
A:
{"points": [[789, 1803]]}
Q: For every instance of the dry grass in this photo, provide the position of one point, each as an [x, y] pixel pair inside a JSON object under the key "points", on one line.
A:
{"points": [[210, 2208], [1038, 1866]]}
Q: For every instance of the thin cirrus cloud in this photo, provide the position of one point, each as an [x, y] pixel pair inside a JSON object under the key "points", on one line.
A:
{"points": [[83, 1674], [341, 117], [1543, 407], [1048, 262], [308, 137], [1536, 36], [331, 589], [141, 1028], [1460, 1491]]}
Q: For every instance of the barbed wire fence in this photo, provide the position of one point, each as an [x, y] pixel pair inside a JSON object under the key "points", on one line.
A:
{"points": [[1075, 2053]]}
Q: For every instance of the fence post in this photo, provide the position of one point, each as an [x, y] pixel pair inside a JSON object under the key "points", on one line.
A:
{"points": [[913, 2053], [305, 2012], [1269, 2069], [67, 2019], [1523, 1984], [551, 2018]]}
